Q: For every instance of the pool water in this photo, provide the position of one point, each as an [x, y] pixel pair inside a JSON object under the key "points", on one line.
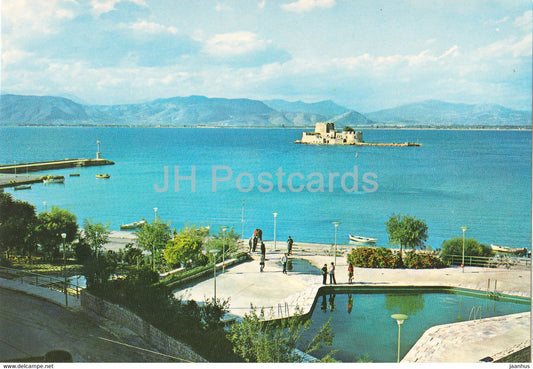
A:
{"points": [[364, 329]]}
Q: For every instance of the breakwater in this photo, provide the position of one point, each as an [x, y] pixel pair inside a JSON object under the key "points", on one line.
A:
{"points": [[54, 164]]}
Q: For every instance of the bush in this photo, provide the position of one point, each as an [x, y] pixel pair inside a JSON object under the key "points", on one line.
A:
{"points": [[372, 257], [455, 247], [414, 260]]}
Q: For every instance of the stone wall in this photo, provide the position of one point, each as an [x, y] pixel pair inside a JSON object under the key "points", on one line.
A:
{"points": [[164, 343]]}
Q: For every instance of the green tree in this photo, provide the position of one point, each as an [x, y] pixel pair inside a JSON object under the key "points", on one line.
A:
{"points": [[153, 237], [17, 227], [347, 129], [226, 241], [406, 231], [97, 270], [50, 225], [258, 341], [96, 234], [454, 246]]}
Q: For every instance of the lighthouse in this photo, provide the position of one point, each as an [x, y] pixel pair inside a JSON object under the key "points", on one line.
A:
{"points": [[98, 153]]}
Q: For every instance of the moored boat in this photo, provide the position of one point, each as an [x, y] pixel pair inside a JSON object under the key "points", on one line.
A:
{"points": [[505, 249], [23, 187], [362, 239], [53, 179], [133, 225], [74, 174], [103, 175]]}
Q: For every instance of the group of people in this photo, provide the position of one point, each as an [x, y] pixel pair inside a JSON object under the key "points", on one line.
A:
{"points": [[331, 273], [258, 238]]}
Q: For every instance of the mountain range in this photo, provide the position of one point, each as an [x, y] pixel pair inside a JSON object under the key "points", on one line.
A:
{"points": [[196, 111]]}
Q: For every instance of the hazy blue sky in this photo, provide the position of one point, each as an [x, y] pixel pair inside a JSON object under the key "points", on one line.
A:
{"points": [[366, 55]]}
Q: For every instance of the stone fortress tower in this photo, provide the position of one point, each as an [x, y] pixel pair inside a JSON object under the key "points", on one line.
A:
{"points": [[325, 134]]}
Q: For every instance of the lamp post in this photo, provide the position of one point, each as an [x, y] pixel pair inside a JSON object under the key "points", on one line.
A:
{"points": [[214, 252], [224, 228], [399, 319], [64, 236], [463, 261], [336, 226], [155, 214], [275, 217]]}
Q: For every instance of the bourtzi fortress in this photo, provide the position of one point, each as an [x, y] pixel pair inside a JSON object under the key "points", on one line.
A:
{"points": [[325, 134]]}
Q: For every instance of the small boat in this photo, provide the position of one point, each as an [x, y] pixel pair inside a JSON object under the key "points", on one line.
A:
{"points": [[103, 175], [23, 187], [74, 174], [362, 239], [133, 225], [504, 249], [53, 179]]}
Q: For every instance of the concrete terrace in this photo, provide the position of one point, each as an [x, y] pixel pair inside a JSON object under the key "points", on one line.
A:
{"points": [[244, 285]]}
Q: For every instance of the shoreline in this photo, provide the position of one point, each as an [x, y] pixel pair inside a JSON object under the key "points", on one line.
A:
{"points": [[428, 128]]}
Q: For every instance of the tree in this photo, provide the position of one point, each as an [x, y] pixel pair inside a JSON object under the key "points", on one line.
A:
{"points": [[258, 341], [97, 270], [406, 231], [50, 225], [347, 129], [153, 237], [224, 241], [17, 226], [455, 247], [96, 234]]}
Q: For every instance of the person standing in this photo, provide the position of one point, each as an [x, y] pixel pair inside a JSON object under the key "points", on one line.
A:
{"points": [[289, 245], [250, 243], [332, 274], [263, 248], [324, 273], [284, 263], [254, 243], [350, 273]]}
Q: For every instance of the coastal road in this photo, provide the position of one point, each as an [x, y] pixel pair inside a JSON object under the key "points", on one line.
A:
{"points": [[32, 326]]}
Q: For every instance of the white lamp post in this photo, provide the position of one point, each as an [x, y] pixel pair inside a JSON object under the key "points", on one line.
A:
{"points": [[224, 228], [336, 226], [64, 237], [214, 252], [275, 217], [463, 262], [399, 319]]}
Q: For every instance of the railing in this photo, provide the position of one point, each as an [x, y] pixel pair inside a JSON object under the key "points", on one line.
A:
{"points": [[498, 261], [42, 280]]}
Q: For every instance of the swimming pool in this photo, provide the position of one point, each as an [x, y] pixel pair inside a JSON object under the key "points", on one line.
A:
{"points": [[362, 323]]}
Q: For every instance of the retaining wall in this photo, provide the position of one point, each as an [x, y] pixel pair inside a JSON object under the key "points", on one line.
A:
{"points": [[164, 343]]}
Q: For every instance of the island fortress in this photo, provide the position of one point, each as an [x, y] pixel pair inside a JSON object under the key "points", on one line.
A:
{"points": [[325, 134]]}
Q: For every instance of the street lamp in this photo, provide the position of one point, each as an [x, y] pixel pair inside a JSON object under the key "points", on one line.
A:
{"points": [[214, 252], [224, 228], [336, 226], [399, 319], [155, 213], [64, 236], [463, 262], [275, 217]]}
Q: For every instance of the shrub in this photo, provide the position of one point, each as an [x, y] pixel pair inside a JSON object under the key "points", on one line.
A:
{"points": [[455, 247], [414, 260], [371, 257]]}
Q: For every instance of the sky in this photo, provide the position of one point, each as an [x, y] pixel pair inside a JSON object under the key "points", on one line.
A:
{"points": [[366, 55]]}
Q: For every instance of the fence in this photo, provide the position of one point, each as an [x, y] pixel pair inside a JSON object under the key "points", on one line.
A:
{"points": [[498, 261], [62, 285]]}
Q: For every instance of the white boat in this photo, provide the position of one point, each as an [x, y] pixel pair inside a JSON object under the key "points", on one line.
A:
{"points": [[362, 239], [504, 249], [23, 187], [133, 225]]}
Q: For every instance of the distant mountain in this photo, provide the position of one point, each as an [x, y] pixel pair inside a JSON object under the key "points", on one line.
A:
{"points": [[195, 111], [326, 108], [352, 118], [434, 112]]}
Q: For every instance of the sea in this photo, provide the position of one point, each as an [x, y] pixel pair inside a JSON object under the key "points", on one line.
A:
{"points": [[260, 178]]}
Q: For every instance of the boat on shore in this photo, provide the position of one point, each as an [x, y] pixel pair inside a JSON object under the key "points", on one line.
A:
{"points": [[103, 175], [133, 225], [361, 239], [505, 249], [23, 187]]}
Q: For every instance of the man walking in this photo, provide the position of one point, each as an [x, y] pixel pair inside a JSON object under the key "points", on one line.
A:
{"points": [[332, 274], [289, 245], [284, 263]]}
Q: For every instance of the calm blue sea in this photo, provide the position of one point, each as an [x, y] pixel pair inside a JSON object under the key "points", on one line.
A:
{"points": [[478, 179]]}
